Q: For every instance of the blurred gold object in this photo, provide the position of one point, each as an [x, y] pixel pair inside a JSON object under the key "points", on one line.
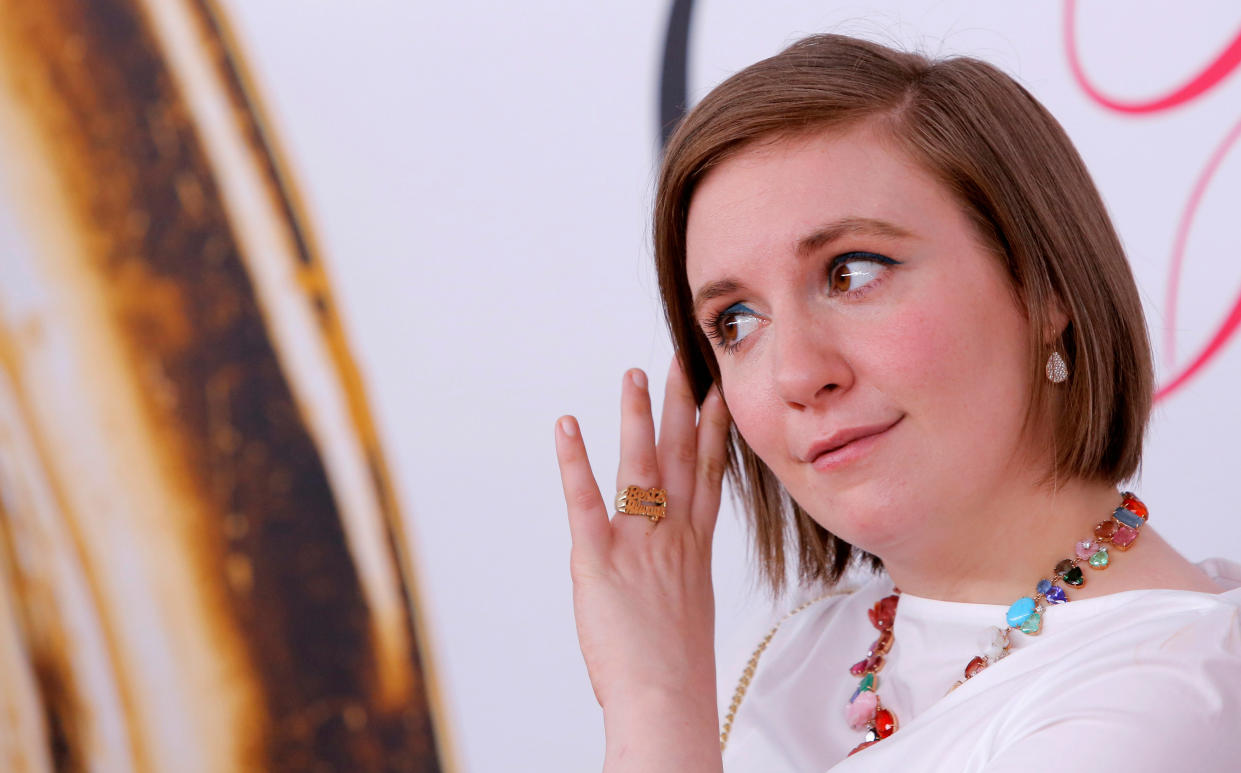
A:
{"points": [[203, 566]]}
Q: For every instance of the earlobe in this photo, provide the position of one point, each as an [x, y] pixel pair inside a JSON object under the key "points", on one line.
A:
{"points": [[1057, 323]]}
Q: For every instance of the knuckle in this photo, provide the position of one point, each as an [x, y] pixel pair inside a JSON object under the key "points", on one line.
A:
{"points": [[685, 453], [583, 498], [584, 569], [720, 421], [646, 468], [711, 469]]}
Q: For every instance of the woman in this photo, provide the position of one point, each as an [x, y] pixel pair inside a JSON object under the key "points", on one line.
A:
{"points": [[896, 279]]}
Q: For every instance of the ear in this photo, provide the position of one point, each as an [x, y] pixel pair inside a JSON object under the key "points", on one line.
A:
{"points": [[1057, 321]]}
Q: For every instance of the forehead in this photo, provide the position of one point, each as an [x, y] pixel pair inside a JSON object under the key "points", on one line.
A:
{"points": [[759, 204]]}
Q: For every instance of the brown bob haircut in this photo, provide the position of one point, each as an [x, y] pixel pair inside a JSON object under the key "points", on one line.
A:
{"points": [[1015, 173]]}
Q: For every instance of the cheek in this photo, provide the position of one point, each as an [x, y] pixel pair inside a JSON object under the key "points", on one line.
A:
{"points": [[960, 366], [753, 413]]}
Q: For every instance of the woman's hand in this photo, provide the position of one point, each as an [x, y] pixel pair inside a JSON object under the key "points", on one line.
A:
{"points": [[642, 594]]}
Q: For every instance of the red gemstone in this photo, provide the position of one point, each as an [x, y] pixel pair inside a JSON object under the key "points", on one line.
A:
{"points": [[1104, 530], [874, 663], [885, 723], [974, 666], [862, 746], [883, 613], [882, 644], [858, 668], [1135, 506]]}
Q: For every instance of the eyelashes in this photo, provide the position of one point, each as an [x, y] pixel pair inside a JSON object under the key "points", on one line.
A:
{"points": [[730, 327], [850, 275]]}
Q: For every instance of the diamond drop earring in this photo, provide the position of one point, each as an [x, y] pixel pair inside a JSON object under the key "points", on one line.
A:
{"points": [[1057, 370]]}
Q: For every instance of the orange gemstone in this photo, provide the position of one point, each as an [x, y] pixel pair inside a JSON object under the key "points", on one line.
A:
{"points": [[1104, 530], [885, 723]]}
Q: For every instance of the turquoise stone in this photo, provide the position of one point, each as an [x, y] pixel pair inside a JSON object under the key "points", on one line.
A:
{"points": [[1128, 518], [1032, 624], [1074, 577], [1021, 609], [1099, 560]]}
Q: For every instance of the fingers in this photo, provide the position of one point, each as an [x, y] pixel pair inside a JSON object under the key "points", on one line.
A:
{"points": [[588, 515], [713, 425], [639, 464], [678, 440]]}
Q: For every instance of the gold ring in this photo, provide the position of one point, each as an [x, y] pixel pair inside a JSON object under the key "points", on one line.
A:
{"points": [[635, 500]]}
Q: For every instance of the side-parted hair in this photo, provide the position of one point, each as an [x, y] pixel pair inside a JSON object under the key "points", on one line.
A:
{"points": [[1013, 170]]}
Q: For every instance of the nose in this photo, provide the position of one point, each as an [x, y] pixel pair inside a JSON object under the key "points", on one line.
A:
{"points": [[808, 364]]}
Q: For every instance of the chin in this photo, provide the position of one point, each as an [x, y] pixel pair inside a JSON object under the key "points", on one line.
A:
{"points": [[870, 516]]}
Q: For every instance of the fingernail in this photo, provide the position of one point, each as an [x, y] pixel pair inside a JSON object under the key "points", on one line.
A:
{"points": [[568, 426], [639, 378]]}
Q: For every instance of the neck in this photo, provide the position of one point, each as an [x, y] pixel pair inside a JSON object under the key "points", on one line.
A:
{"points": [[998, 549]]}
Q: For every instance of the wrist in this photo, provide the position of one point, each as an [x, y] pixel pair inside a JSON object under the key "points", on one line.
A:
{"points": [[663, 729]]}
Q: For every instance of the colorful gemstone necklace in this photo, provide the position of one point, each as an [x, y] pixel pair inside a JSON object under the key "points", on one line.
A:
{"points": [[866, 712]]}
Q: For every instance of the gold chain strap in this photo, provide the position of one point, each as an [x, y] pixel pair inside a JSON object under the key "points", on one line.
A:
{"points": [[747, 675]]}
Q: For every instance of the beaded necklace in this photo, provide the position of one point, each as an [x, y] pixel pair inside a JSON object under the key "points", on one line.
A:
{"points": [[866, 711]]}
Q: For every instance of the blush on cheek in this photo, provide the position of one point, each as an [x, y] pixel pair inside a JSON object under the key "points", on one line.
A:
{"points": [[755, 418], [917, 348]]}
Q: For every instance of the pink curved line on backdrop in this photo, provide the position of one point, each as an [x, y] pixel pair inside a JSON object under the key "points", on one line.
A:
{"points": [[1182, 236], [1214, 72], [1233, 320]]}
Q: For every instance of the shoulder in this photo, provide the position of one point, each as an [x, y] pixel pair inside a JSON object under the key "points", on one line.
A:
{"points": [[1166, 666]]}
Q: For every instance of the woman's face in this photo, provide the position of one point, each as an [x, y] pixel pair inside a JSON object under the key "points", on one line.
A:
{"points": [[870, 348]]}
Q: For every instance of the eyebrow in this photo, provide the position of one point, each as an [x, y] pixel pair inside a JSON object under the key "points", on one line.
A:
{"points": [[848, 226], [818, 239]]}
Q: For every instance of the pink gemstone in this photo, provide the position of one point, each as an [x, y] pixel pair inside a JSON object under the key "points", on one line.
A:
{"points": [[1085, 549], [861, 711], [859, 668], [1124, 537]]}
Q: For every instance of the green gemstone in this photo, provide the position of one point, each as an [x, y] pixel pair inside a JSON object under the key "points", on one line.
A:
{"points": [[867, 684], [1099, 560], [1074, 577], [1032, 623]]}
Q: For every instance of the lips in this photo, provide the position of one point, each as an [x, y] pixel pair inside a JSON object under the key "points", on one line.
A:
{"points": [[845, 439]]}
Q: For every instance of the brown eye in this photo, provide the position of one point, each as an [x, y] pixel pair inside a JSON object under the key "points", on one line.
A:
{"points": [[846, 275], [734, 324], [840, 278]]}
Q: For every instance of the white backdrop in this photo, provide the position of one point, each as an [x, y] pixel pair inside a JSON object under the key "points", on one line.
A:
{"points": [[479, 176]]}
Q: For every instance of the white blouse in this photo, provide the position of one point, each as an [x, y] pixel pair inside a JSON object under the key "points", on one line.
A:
{"points": [[1144, 680]]}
